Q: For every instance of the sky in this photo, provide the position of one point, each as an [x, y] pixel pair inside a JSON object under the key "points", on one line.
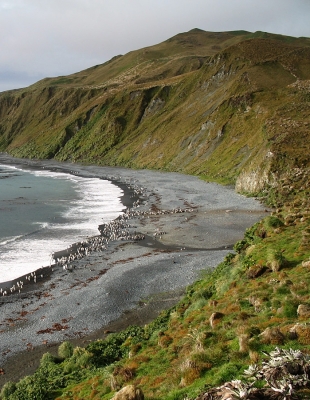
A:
{"points": [[50, 38]]}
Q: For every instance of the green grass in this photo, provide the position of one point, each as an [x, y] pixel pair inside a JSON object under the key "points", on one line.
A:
{"points": [[180, 352], [229, 114], [216, 120]]}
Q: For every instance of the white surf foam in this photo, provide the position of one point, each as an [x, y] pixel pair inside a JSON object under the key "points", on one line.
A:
{"points": [[97, 201]]}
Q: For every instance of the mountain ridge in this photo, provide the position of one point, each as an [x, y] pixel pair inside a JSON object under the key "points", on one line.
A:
{"points": [[227, 106]]}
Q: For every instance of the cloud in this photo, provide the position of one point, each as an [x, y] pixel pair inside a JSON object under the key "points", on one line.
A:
{"points": [[58, 37]]}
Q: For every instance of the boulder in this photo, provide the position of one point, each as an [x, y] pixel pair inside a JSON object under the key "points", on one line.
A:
{"points": [[306, 263], [272, 336], [255, 271], [129, 392], [303, 310]]}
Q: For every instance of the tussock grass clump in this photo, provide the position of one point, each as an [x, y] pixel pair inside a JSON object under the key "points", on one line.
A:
{"points": [[81, 357], [272, 222], [289, 309], [8, 389], [196, 340], [47, 359], [65, 350], [275, 260], [243, 343]]}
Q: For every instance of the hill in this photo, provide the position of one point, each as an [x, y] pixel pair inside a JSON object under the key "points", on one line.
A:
{"points": [[211, 104], [231, 107]]}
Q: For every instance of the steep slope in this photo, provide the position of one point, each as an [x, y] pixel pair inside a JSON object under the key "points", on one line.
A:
{"points": [[212, 104], [233, 107]]}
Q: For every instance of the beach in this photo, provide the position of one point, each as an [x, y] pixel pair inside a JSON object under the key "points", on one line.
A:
{"points": [[187, 226]]}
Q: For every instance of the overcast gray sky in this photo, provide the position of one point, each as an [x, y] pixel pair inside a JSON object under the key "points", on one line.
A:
{"points": [[48, 38]]}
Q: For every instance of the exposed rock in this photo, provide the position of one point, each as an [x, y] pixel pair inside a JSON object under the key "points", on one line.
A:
{"points": [[243, 343], [306, 263], [272, 336], [252, 181], [286, 282], [303, 310], [215, 318], [256, 302], [289, 220], [302, 331], [129, 392], [154, 106], [256, 271]]}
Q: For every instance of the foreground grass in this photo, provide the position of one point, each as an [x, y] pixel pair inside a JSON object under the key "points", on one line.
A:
{"points": [[255, 300]]}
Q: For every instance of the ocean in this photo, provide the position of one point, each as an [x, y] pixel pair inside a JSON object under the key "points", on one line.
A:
{"points": [[42, 212]]}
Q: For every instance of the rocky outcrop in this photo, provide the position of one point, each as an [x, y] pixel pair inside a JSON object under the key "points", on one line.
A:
{"points": [[129, 392], [303, 310], [252, 181]]}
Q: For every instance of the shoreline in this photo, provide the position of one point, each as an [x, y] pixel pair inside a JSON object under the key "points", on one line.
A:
{"points": [[127, 199], [188, 226]]}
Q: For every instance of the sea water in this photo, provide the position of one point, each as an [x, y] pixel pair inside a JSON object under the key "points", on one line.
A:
{"points": [[42, 212]]}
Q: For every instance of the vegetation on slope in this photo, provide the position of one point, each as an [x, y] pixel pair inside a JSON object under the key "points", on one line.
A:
{"points": [[211, 104], [232, 107], [255, 300]]}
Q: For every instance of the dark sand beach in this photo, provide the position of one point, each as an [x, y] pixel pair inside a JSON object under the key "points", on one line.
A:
{"points": [[188, 226]]}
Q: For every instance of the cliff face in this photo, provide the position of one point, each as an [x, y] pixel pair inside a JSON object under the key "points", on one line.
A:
{"points": [[232, 107]]}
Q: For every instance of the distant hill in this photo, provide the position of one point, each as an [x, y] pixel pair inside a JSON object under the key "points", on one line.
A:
{"points": [[228, 106]]}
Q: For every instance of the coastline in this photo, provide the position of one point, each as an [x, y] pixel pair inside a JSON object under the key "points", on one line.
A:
{"points": [[127, 200], [129, 282]]}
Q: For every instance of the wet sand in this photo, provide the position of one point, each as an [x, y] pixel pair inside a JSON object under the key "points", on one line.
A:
{"points": [[129, 282]]}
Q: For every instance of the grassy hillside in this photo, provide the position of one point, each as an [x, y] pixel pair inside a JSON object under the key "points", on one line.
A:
{"points": [[255, 302], [212, 104], [231, 107]]}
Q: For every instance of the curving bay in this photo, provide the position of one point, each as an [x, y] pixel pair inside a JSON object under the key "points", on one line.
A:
{"points": [[187, 226]]}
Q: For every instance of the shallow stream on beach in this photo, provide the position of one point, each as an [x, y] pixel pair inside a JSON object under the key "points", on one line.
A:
{"points": [[42, 212]]}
